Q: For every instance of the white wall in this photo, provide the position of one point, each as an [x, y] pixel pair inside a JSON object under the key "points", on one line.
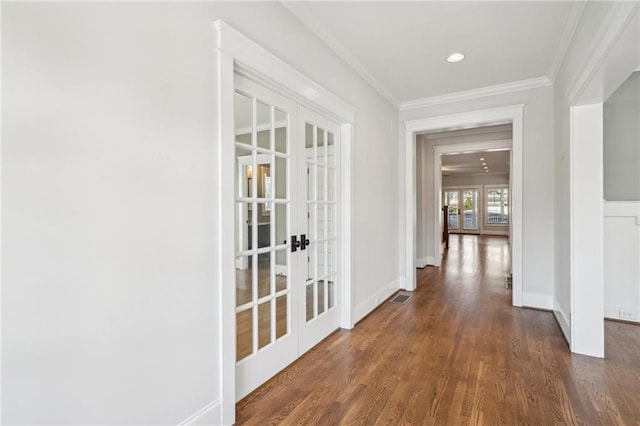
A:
{"points": [[109, 294], [622, 142], [621, 266], [537, 194], [598, 22], [622, 219]]}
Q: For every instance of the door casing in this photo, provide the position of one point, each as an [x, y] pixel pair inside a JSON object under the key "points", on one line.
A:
{"points": [[236, 53]]}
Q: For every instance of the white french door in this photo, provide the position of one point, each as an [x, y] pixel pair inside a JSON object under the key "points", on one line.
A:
{"points": [[286, 233], [318, 222], [464, 212]]}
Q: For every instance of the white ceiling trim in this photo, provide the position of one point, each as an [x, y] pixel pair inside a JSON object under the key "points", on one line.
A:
{"points": [[482, 92], [302, 12], [610, 31], [577, 8]]}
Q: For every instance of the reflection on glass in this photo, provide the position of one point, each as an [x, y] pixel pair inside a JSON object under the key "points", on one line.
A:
{"points": [[320, 151], [311, 261], [321, 223], [320, 193], [331, 184], [281, 131], [281, 223], [264, 324], [311, 178], [264, 274], [243, 220], [263, 123], [331, 256], [320, 300], [244, 287], [280, 178], [331, 299], [311, 217], [243, 171], [331, 220], [309, 302], [308, 135], [244, 334], [321, 256], [281, 316], [243, 117], [281, 270], [331, 150], [264, 224], [264, 183]]}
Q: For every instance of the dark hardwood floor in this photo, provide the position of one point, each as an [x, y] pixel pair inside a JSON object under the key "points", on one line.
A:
{"points": [[456, 353]]}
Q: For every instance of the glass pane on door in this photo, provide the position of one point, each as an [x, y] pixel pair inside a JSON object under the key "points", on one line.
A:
{"points": [[321, 226], [262, 225], [470, 211], [451, 200]]}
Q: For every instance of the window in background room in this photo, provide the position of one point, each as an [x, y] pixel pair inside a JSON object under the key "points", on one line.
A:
{"points": [[497, 206]]}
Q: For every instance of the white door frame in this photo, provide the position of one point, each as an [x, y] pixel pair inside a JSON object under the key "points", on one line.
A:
{"points": [[509, 114], [235, 53]]}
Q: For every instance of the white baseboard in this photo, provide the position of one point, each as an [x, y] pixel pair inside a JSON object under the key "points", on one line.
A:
{"points": [[425, 261], [564, 321], [613, 312], [209, 415], [538, 301], [402, 282], [364, 308]]}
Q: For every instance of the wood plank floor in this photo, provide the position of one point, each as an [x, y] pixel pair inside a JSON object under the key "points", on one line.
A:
{"points": [[456, 353]]}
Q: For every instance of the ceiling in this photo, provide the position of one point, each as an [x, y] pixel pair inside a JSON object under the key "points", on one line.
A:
{"points": [[472, 164], [401, 47]]}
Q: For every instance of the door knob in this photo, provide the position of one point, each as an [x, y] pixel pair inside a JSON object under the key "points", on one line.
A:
{"points": [[294, 243], [304, 241]]}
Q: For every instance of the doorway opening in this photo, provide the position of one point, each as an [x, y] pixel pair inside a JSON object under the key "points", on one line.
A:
{"points": [[414, 129], [474, 198]]}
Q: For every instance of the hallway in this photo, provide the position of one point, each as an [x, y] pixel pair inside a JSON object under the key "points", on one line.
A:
{"points": [[456, 353]]}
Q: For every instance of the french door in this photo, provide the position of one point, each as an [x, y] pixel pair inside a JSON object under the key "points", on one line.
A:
{"points": [[286, 232], [464, 213]]}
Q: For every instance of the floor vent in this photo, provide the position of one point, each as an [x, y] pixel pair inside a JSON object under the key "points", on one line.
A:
{"points": [[401, 298]]}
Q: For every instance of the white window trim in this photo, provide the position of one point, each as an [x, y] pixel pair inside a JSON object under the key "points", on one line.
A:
{"points": [[235, 53], [485, 212]]}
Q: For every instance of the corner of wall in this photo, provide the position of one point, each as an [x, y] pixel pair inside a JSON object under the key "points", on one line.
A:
{"points": [[209, 415], [366, 307], [563, 319]]}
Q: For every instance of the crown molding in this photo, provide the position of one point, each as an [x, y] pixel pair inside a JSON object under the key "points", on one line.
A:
{"points": [[474, 131], [575, 13], [610, 31], [482, 92], [302, 12]]}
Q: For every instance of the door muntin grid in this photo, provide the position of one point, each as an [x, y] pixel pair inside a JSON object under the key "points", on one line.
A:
{"points": [[320, 200], [263, 214]]}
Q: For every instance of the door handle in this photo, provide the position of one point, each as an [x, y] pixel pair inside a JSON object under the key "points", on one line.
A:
{"points": [[294, 243], [304, 241]]}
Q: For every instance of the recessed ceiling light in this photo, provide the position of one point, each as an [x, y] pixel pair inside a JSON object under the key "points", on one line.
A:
{"points": [[484, 164], [487, 171], [481, 159], [455, 57]]}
